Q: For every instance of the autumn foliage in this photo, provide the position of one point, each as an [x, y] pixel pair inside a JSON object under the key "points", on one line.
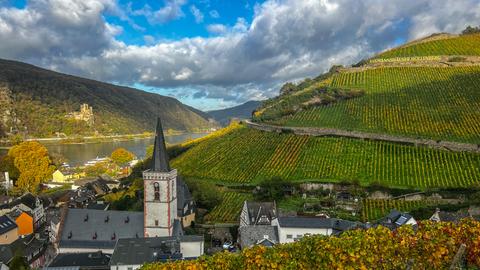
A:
{"points": [[33, 164], [432, 246], [121, 156]]}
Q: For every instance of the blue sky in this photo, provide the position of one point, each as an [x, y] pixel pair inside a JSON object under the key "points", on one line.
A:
{"points": [[185, 26], [213, 54]]}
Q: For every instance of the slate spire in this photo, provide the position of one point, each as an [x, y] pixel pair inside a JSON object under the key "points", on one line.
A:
{"points": [[160, 158]]}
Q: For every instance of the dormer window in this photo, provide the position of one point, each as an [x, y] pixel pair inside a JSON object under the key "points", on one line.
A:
{"points": [[156, 190]]}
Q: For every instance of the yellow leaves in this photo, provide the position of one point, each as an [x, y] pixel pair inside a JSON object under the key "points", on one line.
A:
{"points": [[33, 163]]}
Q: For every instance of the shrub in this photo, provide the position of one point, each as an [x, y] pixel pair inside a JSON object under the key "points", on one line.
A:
{"points": [[432, 246]]}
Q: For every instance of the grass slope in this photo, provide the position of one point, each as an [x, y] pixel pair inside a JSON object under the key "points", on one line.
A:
{"points": [[461, 45], [432, 102], [246, 156]]}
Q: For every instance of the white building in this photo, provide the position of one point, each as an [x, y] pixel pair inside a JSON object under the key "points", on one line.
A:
{"points": [[291, 229], [131, 254]]}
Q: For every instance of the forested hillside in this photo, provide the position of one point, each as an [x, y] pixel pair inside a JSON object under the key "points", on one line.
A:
{"points": [[36, 101]]}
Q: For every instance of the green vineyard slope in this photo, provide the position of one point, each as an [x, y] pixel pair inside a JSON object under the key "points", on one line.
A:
{"points": [[441, 103], [248, 156], [462, 45]]}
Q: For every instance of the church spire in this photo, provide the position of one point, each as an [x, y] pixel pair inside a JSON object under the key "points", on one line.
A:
{"points": [[160, 158]]}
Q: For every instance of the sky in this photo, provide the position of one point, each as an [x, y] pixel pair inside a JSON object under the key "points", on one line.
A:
{"points": [[213, 54]]}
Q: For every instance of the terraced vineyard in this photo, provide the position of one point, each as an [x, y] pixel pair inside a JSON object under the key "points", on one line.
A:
{"points": [[462, 45], [375, 209], [229, 210], [431, 102], [248, 156]]}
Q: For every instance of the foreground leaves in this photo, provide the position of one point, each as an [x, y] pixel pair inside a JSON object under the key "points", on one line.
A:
{"points": [[433, 246]]}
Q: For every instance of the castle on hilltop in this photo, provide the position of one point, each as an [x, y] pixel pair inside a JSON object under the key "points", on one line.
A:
{"points": [[85, 114]]}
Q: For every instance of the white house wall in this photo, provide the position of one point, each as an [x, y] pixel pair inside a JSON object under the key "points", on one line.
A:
{"points": [[191, 249], [299, 232]]}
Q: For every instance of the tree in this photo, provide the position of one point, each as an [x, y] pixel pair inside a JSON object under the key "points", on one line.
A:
{"points": [[272, 189], [206, 194], [96, 169], [471, 30], [122, 156], [288, 88], [19, 262], [33, 163], [149, 151]]}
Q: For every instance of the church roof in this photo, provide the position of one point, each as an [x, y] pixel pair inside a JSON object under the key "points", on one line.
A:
{"points": [[160, 158], [98, 228]]}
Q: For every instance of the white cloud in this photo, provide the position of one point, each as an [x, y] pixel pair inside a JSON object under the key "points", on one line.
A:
{"points": [[196, 13], [217, 28], [214, 14], [286, 40], [171, 10]]}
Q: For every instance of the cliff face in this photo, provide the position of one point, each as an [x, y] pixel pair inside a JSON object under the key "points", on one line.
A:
{"points": [[40, 99]]}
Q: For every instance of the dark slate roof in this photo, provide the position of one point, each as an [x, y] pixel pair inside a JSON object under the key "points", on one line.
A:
{"points": [[84, 224], [185, 203], [143, 250], [253, 235], [29, 246], [160, 158], [6, 224], [398, 217], [316, 222], [27, 199], [261, 213], [449, 216], [92, 260]]}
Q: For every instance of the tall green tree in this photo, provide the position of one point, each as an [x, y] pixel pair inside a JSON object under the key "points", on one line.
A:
{"points": [[33, 163]]}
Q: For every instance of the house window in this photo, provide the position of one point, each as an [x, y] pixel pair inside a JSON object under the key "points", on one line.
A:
{"points": [[289, 236], [156, 222], [156, 190], [299, 236]]}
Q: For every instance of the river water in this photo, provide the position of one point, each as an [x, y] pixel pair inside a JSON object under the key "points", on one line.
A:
{"points": [[78, 154]]}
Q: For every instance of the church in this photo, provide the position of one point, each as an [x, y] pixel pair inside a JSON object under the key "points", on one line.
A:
{"points": [[168, 208]]}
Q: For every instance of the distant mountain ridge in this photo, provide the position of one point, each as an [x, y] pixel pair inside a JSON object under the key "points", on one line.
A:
{"points": [[36, 101], [243, 111]]}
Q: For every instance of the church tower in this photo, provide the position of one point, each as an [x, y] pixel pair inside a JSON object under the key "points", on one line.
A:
{"points": [[160, 194]]}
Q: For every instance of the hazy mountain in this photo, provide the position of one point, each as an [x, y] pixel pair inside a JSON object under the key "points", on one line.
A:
{"points": [[243, 111]]}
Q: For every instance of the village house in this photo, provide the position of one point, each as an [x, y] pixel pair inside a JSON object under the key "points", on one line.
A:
{"points": [[8, 230], [256, 224], [80, 261], [396, 219], [261, 225], [66, 176], [32, 248], [29, 204], [24, 222], [131, 254], [439, 216]]}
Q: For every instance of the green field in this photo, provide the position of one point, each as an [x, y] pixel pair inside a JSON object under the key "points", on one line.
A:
{"points": [[228, 211], [441, 103], [462, 45], [248, 156]]}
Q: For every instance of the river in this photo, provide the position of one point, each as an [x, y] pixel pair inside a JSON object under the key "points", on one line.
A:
{"points": [[78, 154]]}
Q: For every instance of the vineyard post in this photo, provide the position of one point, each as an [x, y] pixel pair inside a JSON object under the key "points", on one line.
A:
{"points": [[458, 257]]}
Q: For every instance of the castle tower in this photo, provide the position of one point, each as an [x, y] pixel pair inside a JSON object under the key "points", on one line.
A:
{"points": [[160, 194]]}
